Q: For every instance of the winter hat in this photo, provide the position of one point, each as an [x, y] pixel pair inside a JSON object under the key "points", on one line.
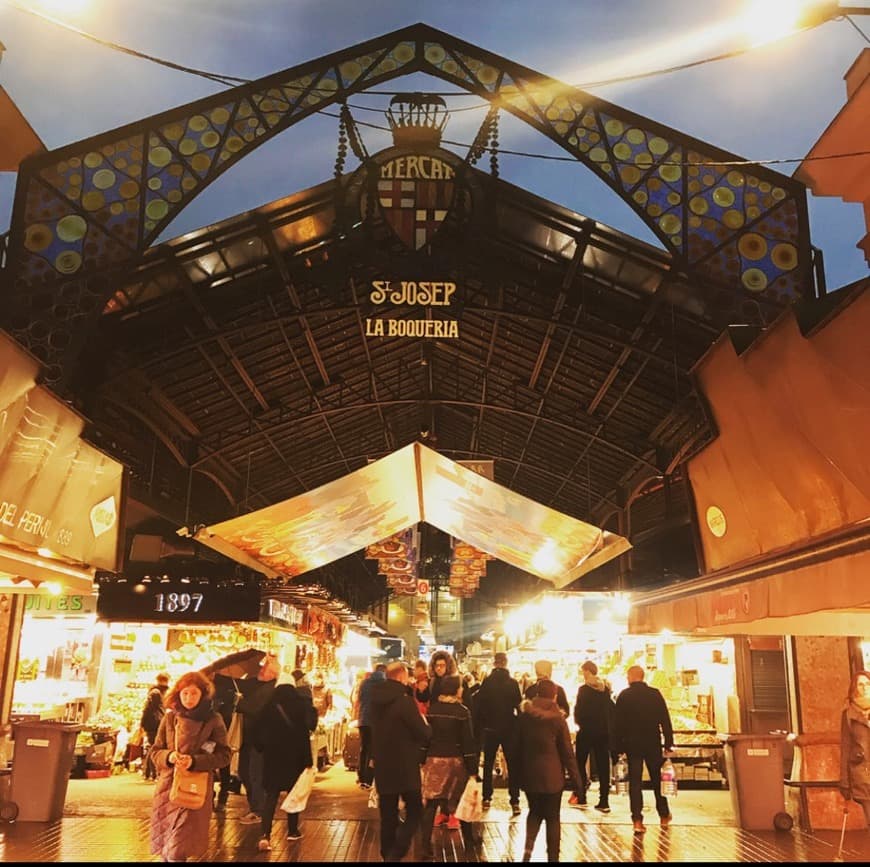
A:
{"points": [[543, 668]]}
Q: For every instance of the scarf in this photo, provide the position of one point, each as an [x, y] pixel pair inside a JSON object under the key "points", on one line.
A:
{"points": [[200, 713], [862, 705]]}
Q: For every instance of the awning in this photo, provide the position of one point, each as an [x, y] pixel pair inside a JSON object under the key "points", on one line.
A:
{"points": [[59, 496], [411, 485], [822, 590]]}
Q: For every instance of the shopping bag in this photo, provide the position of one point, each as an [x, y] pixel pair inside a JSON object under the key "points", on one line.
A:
{"points": [[189, 788], [373, 797], [297, 797], [234, 742], [470, 806]]}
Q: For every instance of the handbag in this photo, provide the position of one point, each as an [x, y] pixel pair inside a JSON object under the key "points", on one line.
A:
{"points": [[189, 788], [470, 806], [297, 797], [374, 798]]}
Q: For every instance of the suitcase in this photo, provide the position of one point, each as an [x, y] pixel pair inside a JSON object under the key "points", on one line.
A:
{"points": [[350, 753]]}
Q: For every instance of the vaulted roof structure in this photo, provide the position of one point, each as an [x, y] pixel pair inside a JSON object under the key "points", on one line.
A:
{"points": [[240, 365]]}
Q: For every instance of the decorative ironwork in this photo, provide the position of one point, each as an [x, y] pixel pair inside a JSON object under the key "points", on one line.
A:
{"points": [[96, 205]]}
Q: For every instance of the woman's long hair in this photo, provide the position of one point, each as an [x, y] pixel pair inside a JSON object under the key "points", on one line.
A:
{"points": [[192, 678], [853, 684]]}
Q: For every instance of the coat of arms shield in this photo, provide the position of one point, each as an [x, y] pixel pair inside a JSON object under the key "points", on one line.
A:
{"points": [[415, 193]]}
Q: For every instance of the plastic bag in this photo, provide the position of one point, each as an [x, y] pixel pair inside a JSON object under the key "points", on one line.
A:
{"points": [[297, 797], [374, 801], [470, 806]]}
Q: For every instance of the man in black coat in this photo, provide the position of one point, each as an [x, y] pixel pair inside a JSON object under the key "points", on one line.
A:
{"points": [[495, 724], [399, 737], [642, 725], [544, 671], [593, 713]]}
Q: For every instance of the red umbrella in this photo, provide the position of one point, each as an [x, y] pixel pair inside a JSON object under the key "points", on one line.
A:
{"points": [[243, 663]]}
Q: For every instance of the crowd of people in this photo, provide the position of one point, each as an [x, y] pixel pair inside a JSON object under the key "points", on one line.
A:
{"points": [[424, 730]]}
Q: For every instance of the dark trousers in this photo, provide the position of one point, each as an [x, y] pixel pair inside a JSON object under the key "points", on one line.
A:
{"points": [[506, 739], [543, 807], [251, 774], [598, 746], [270, 802], [396, 837], [148, 769], [365, 774], [223, 777], [654, 761], [427, 825]]}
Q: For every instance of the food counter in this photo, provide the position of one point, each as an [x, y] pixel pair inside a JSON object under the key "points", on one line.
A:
{"points": [[699, 758]]}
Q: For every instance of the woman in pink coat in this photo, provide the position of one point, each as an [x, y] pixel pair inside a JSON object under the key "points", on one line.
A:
{"points": [[193, 736]]}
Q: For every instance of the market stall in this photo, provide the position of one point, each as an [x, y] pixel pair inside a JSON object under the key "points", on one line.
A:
{"points": [[696, 676]]}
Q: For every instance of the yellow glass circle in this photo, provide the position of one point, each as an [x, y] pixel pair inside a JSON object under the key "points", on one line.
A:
{"points": [[643, 159], [698, 205], [75, 179], [784, 256], [160, 156], [174, 196], [173, 131], [156, 210], [753, 212], [220, 116], [210, 139], [93, 159], [104, 179], [93, 200], [754, 279], [234, 144], [674, 198], [116, 208], [670, 173], [778, 193], [598, 155], [614, 127], [621, 151], [188, 184], [68, 262], [487, 75], [735, 178], [129, 190], [670, 224], [732, 218], [200, 162], [154, 183], [630, 174], [350, 71], [653, 209], [552, 113], [640, 196], [187, 146], [435, 53], [71, 228], [404, 52], [723, 197], [694, 222], [752, 246], [658, 145], [635, 136], [37, 237]]}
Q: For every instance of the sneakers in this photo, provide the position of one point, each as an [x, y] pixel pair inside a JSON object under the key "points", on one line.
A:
{"points": [[365, 785], [264, 845], [453, 823], [249, 819], [294, 835], [602, 808], [440, 819], [515, 810], [639, 827], [486, 803], [666, 820]]}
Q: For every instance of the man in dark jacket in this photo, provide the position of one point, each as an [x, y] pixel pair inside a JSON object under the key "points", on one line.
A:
{"points": [[544, 671], [641, 725], [593, 713], [399, 736], [152, 713], [364, 772], [256, 694], [495, 724]]}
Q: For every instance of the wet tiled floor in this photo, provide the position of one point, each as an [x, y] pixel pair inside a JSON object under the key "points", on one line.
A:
{"points": [[108, 822]]}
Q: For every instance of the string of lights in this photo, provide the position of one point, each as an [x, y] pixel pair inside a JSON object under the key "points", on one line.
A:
{"points": [[231, 80]]}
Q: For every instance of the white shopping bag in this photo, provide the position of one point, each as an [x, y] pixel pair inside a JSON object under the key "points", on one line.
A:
{"points": [[297, 797], [470, 807], [373, 797]]}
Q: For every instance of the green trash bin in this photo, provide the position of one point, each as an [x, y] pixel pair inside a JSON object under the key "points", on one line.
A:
{"points": [[754, 768], [41, 765]]}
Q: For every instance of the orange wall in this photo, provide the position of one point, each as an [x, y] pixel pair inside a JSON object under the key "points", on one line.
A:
{"points": [[792, 459]]}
